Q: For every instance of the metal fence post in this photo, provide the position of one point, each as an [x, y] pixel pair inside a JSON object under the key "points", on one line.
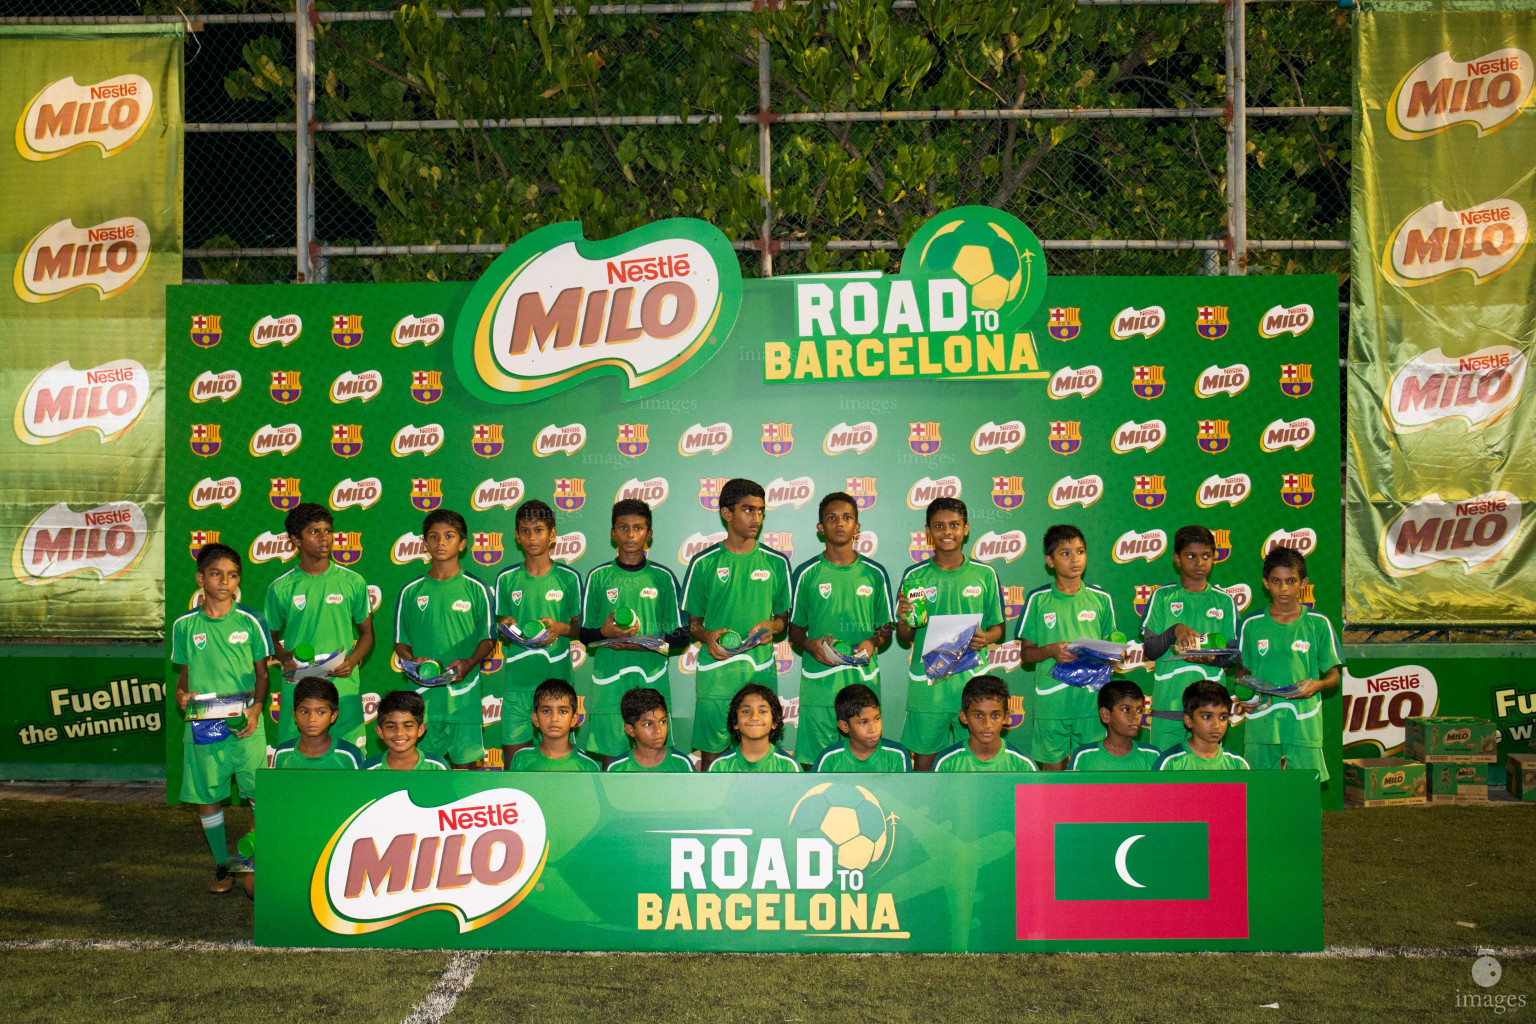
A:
{"points": [[1237, 137], [765, 149], [304, 139]]}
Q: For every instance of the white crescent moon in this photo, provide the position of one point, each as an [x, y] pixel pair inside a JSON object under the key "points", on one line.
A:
{"points": [[1125, 848]]}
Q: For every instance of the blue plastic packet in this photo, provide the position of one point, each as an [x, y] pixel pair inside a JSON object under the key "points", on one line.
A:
{"points": [[210, 730], [1089, 671], [951, 658]]}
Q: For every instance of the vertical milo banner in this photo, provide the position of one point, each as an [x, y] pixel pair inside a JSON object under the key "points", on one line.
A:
{"points": [[1442, 452], [580, 372], [90, 228]]}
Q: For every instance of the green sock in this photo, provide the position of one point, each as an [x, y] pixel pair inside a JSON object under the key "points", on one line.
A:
{"points": [[213, 831]]}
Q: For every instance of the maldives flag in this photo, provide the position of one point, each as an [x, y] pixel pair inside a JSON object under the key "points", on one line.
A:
{"points": [[1132, 861]]}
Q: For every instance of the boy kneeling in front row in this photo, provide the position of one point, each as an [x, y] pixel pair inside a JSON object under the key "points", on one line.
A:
{"points": [[401, 724], [1207, 713], [983, 713]]}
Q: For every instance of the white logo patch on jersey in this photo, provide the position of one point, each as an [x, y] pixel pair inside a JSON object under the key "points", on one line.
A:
{"points": [[1215, 613], [553, 595], [1263, 646], [826, 589], [1177, 607], [199, 640], [761, 574], [461, 606], [613, 593], [1301, 646], [724, 573], [648, 593], [1050, 620], [334, 599], [865, 590], [421, 602], [972, 592], [1087, 615], [239, 636], [298, 601]]}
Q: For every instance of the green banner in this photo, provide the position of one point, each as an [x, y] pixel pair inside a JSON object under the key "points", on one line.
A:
{"points": [[867, 863], [1441, 316], [90, 189]]}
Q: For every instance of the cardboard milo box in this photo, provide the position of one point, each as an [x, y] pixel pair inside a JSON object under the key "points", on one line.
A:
{"points": [[1384, 782], [1453, 740], [1520, 775], [1451, 783]]}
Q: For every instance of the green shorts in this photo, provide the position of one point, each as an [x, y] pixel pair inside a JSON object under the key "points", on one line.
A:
{"points": [[816, 732], [928, 732], [603, 732], [349, 718], [709, 732], [1164, 733], [458, 742], [725, 682], [1268, 757], [516, 716], [206, 768], [1055, 738]]}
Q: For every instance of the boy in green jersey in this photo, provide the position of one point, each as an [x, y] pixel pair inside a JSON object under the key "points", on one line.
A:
{"points": [[737, 586], [951, 584], [649, 591], [1121, 704], [1283, 644], [839, 597], [1207, 713], [325, 606], [1192, 607], [315, 705], [1065, 716], [554, 715], [756, 723], [983, 714], [220, 648], [539, 590], [645, 723], [862, 748], [445, 616], [401, 723]]}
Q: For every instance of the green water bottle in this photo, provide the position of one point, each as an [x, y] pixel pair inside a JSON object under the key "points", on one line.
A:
{"points": [[624, 616], [730, 640], [530, 629], [1116, 637], [247, 844], [426, 668], [304, 653], [1215, 641]]}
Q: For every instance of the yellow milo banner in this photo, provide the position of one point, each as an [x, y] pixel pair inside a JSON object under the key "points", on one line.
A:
{"points": [[1442, 447], [90, 218]]}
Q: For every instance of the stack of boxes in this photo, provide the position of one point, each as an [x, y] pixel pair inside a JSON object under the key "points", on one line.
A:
{"points": [[1447, 763]]}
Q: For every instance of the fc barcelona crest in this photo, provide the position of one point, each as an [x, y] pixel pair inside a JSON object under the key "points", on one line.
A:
{"points": [[1306, 599], [633, 439], [778, 439], [1223, 545], [201, 539], [205, 439], [285, 388], [1212, 436], [347, 331], [1296, 489], [570, 493], [426, 385], [1013, 602], [1064, 324], [1296, 380], [923, 438], [486, 440], [284, 494], [1143, 598], [487, 548], [426, 493], [919, 548], [1147, 382], [347, 439], [1211, 322], [205, 331], [1007, 492], [1066, 436], [493, 661], [782, 541], [346, 547], [1149, 492], [862, 490], [709, 492]]}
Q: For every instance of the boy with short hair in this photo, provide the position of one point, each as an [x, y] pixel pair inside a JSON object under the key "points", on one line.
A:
{"points": [[838, 596], [1286, 643], [649, 590], [324, 605], [1192, 607], [315, 706], [862, 748], [983, 714], [756, 723], [538, 588], [401, 723], [1207, 713], [645, 723], [1121, 704], [445, 616], [1065, 716], [951, 584], [221, 648], [553, 717], [740, 586]]}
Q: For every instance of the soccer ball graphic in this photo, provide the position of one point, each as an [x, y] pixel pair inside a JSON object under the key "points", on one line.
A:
{"points": [[850, 817], [981, 254]]}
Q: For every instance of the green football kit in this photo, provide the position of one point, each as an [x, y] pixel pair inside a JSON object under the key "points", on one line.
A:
{"points": [[1181, 759], [651, 592], [673, 762], [522, 596], [220, 655], [774, 762], [424, 763], [960, 758], [445, 620], [969, 589], [342, 756], [532, 759], [323, 611], [1211, 610], [1065, 717], [1281, 653], [848, 603], [1093, 757], [889, 756]]}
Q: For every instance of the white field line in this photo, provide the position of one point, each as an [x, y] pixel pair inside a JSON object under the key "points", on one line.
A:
{"points": [[440, 999]]}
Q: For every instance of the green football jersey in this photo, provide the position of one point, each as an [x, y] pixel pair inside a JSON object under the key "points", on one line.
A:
{"points": [[731, 591], [651, 592], [445, 620], [674, 762], [341, 756], [1051, 616], [424, 763], [1182, 759], [775, 762], [968, 589], [1092, 757], [324, 612], [845, 602], [1288, 652], [959, 758], [890, 756], [220, 654], [522, 596], [1211, 610], [532, 759]]}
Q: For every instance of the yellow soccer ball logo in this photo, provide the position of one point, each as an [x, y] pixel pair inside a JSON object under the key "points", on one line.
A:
{"points": [[981, 254], [850, 818]]}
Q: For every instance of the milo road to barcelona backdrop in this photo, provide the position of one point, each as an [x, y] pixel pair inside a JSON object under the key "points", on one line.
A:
{"points": [[643, 366], [982, 863]]}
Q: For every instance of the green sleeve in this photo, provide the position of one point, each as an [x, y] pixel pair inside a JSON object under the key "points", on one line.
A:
{"points": [[1029, 622], [782, 599], [1109, 605], [501, 588], [993, 614], [589, 618], [178, 644], [668, 616], [570, 608], [799, 616], [360, 610], [274, 609], [1152, 623], [696, 588], [1330, 659]]}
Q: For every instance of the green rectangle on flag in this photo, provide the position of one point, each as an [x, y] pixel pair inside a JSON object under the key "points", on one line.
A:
{"points": [[1132, 860]]}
